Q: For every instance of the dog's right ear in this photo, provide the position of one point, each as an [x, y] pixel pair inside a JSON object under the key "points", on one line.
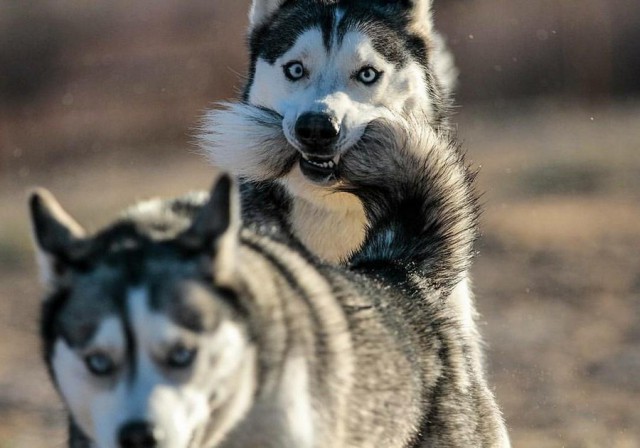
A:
{"points": [[417, 11], [56, 235], [216, 227], [262, 10]]}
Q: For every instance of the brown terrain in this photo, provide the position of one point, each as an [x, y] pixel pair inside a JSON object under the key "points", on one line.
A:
{"points": [[558, 273]]}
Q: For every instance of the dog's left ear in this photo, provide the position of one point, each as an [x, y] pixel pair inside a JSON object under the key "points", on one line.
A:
{"points": [[57, 236], [418, 11], [216, 228], [262, 10]]}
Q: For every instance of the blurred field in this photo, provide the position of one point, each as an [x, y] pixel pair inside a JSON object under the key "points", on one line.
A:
{"points": [[98, 101], [558, 277]]}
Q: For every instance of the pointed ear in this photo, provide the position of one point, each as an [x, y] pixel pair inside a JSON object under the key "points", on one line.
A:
{"points": [[262, 10], [216, 227], [56, 236], [421, 15], [418, 11]]}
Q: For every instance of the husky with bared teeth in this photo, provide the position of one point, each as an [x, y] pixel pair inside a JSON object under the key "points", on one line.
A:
{"points": [[320, 73]]}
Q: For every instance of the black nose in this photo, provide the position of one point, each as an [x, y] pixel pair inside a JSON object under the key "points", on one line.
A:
{"points": [[317, 130], [137, 434]]}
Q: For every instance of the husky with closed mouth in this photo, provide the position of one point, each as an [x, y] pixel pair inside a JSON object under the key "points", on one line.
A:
{"points": [[177, 327]]}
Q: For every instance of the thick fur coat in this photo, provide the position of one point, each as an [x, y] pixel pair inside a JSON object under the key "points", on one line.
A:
{"points": [[177, 307]]}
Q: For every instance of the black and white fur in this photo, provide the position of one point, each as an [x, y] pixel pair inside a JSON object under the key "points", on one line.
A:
{"points": [[334, 41], [177, 327], [337, 47]]}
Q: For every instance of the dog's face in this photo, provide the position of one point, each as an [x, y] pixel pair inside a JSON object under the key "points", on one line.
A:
{"points": [[154, 373], [144, 348], [330, 69]]}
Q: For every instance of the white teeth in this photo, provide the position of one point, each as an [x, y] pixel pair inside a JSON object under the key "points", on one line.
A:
{"points": [[329, 164]]}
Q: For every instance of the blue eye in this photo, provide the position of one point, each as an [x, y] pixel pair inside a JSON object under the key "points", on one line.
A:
{"points": [[294, 71], [368, 75], [180, 357], [100, 364]]}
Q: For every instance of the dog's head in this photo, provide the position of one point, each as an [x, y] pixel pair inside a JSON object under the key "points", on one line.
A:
{"points": [[142, 336], [328, 69]]}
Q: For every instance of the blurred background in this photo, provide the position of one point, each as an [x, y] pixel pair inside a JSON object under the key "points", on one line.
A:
{"points": [[99, 101]]}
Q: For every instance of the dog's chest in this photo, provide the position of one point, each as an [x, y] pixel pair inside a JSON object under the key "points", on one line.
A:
{"points": [[331, 233]]}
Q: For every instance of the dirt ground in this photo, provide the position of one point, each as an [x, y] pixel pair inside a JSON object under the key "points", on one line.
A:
{"points": [[557, 278]]}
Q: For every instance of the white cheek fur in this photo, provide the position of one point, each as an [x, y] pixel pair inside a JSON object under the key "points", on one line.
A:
{"points": [[332, 89], [80, 389], [72, 378]]}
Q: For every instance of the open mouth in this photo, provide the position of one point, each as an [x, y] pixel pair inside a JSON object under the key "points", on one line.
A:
{"points": [[319, 170]]}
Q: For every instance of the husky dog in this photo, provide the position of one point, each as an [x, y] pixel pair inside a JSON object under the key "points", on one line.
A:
{"points": [[178, 327], [326, 69], [320, 73]]}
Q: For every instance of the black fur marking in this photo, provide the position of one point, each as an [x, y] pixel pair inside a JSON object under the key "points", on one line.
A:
{"points": [[327, 25], [77, 439], [274, 38], [388, 34], [130, 340], [265, 207], [49, 329]]}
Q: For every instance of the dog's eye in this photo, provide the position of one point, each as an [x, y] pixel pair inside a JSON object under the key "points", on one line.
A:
{"points": [[294, 71], [100, 364], [181, 357], [368, 75]]}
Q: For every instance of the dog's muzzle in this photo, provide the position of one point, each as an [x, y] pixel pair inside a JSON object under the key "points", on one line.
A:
{"points": [[318, 133], [139, 434]]}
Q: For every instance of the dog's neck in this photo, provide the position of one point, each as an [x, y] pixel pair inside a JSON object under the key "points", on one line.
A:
{"points": [[330, 224]]}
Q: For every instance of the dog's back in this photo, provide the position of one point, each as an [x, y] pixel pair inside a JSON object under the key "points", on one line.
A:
{"points": [[177, 325]]}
